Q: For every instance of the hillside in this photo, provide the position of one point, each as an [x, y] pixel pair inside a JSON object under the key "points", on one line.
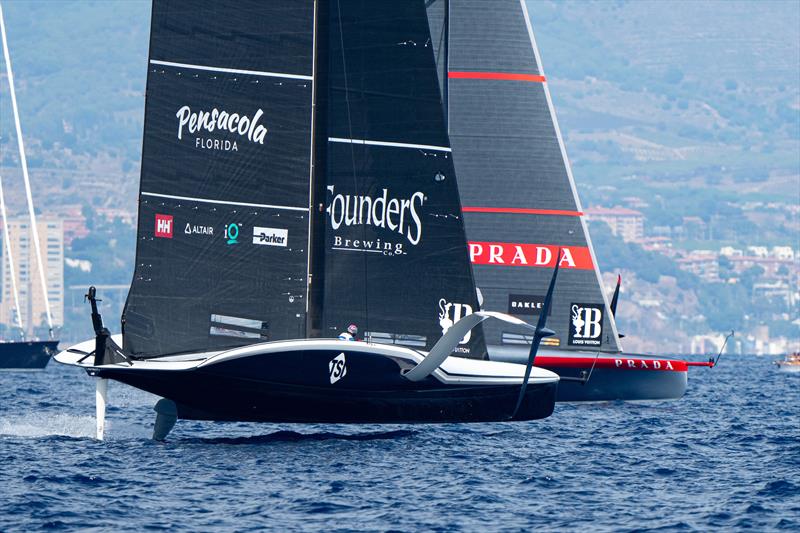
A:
{"points": [[682, 110]]}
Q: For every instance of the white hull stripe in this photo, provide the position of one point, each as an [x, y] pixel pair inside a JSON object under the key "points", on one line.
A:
{"points": [[223, 202], [233, 70], [390, 144]]}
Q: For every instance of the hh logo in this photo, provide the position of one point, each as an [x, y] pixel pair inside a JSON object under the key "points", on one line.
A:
{"points": [[587, 324], [450, 313], [164, 226], [337, 368]]}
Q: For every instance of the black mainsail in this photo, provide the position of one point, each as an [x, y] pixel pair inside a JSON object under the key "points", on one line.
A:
{"points": [[395, 256], [516, 185], [222, 252]]}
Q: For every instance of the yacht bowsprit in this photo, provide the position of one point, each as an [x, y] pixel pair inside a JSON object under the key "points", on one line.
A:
{"points": [[347, 212]]}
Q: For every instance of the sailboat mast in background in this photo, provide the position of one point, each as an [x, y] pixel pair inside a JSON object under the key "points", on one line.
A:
{"points": [[24, 162]]}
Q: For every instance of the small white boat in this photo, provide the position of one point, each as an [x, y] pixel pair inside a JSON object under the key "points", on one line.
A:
{"points": [[790, 363]]}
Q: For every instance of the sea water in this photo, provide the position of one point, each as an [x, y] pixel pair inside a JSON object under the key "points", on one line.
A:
{"points": [[727, 455]]}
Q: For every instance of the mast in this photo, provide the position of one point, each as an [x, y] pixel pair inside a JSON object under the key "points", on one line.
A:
{"points": [[34, 230], [10, 255], [445, 70], [319, 141]]}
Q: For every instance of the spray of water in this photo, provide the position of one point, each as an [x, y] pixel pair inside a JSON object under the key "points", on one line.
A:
{"points": [[44, 425]]}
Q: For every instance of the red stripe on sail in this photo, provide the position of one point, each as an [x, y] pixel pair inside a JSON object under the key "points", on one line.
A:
{"points": [[622, 362], [496, 76], [522, 211], [529, 255]]}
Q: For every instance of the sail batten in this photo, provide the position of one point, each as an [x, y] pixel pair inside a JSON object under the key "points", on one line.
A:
{"points": [[232, 70], [390, 144], [223, 202]]}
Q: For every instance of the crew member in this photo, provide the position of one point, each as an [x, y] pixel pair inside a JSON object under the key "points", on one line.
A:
{"points": [[350, 335]]}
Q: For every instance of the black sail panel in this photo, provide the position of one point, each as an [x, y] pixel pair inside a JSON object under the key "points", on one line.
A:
{"points": [[516, 186], [396, 256], [222, 251]]}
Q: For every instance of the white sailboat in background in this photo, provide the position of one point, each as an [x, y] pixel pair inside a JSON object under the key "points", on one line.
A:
{"points": [[23, 354]]}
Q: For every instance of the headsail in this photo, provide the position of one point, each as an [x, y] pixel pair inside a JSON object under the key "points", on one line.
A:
{"points": [[396, 257], [515, 180], [222, 253]]}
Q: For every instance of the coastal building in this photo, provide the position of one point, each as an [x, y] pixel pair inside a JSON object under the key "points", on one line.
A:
{"points": [[624, 222], [31, 298], [703, 263]]}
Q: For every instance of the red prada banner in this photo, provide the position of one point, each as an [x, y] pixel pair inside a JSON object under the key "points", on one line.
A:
{"points": [[529, 255]]}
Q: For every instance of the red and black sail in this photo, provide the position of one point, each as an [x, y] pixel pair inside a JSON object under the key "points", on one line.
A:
{"points": [[516, 185]]}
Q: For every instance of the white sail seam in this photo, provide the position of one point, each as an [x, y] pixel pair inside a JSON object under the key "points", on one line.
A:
{"points": [[390, 144], [233, 70], [223, 202]]}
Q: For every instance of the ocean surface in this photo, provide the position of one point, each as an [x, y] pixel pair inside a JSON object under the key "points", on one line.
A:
{"points": [[726, 456]]}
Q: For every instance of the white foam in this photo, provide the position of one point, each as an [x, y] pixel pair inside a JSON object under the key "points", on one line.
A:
{"points": [[44, 425]]}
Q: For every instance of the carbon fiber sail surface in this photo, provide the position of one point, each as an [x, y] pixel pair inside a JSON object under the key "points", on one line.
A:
{"points": [[222, 253], [396, 260], [516, 185]]}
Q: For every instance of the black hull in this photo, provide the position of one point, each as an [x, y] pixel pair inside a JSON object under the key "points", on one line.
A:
{"points": [[296, 386], [608, 384], [26, 355], [631, 377], [208, 396]]}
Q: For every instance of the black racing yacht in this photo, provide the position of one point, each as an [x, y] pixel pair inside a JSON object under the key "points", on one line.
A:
{"points": [[297, 177]]}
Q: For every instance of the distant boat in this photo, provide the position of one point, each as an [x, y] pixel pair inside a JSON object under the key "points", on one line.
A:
{"points": [[521, 206], [297, 177], [22, 354], [790, 363]]}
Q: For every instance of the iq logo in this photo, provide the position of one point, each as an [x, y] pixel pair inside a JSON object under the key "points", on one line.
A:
{"points": [[163, 226], [232, 233]]}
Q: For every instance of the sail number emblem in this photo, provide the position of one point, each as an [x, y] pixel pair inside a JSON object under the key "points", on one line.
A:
{"points": [[337, 368], [586, 327], [164, 225]]}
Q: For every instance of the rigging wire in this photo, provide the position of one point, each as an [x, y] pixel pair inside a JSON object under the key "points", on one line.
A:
{"points": [[11, 271], [353, 157]]}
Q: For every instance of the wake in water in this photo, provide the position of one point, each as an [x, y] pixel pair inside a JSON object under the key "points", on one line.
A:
{"points": [[46, 425], [293, 436]]}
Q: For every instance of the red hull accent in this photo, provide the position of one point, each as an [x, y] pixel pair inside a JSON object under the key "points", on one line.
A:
{"points": [[619, 363]]}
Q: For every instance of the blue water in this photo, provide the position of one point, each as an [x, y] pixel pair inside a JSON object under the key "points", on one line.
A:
{"points": [[725, 456]]}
